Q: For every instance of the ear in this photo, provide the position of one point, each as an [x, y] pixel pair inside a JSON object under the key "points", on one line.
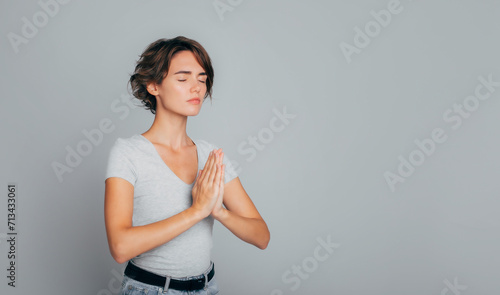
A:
{"points": [[152, 88]]}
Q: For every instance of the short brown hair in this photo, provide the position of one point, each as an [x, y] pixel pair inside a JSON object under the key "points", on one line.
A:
{"points": [[154, 62]]}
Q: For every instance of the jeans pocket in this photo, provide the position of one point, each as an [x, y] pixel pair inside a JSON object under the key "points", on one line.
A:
{"points": [[129, 287], [124, 281], [124, 286]]}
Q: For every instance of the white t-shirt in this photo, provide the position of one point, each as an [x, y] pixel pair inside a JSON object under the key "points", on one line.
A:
{"points": [[158, 194]]}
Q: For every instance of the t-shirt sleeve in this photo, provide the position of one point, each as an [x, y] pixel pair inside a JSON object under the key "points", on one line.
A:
{"points": [[120, 163], [230, 172]]}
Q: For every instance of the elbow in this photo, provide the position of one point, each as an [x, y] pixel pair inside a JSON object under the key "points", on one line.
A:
{"points": [[117, 252], [264, 241], [120, 259], [262, 246], [119, 247]]}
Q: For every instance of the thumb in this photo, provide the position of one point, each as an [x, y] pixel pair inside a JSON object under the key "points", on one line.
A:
{"points": [[197, 179]]}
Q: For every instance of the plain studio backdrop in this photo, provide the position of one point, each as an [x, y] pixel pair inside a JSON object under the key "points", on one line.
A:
{"points": [[366, 133]]}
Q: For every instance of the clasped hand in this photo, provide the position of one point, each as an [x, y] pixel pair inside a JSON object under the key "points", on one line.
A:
{"points": [[208, 189]]}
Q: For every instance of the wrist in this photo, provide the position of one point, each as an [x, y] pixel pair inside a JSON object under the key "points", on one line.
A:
{"points": [[196, 213], [221, 214]]}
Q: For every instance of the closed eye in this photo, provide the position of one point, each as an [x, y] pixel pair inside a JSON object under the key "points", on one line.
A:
{"points": [[185, 80]]}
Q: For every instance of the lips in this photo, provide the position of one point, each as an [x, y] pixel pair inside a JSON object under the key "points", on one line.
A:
{"points": [[194, 99]]}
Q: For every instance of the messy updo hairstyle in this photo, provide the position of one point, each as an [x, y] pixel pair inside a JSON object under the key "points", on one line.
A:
{"points": [[154, 63]]}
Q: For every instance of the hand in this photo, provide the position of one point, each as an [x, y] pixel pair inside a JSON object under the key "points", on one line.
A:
{"points": [[205, 191], [218, 210]]}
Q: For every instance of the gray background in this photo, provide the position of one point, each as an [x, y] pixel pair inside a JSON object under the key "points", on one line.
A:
{"points": [[320, 177]]}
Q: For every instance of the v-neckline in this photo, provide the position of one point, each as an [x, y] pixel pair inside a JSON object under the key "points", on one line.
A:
{"points": [[168, 168]]}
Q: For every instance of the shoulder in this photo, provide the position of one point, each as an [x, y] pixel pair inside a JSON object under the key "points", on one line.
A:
{"points": [[126, 144], [123, 142]]}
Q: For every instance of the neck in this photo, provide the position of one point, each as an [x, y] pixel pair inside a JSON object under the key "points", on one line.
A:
{"points": [[169, 129]]}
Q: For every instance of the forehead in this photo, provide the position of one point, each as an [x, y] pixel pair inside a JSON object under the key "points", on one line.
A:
{"points": [[185, 60]]}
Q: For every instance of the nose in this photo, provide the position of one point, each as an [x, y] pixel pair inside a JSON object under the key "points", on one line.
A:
{"points": [[196, 87]]}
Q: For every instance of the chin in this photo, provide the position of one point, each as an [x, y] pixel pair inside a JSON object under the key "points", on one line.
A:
{"points": [[193, 113]]}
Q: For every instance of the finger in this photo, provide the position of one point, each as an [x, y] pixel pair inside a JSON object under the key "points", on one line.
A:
{"points": [[217, 180], [200, 172], [220, 176], [201, 176], [212, 169], [221, 156], [208, 160], [214, 175], [207, 163], [223, 175], [206, 169], [223, 171]]}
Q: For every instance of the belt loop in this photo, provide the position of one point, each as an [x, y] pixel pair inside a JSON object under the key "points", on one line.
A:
{"points": [[206, 281], [167, 282], [206, 275]]}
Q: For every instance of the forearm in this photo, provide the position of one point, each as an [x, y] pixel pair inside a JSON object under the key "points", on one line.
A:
{"points": [[250, 230], [136, 240]]}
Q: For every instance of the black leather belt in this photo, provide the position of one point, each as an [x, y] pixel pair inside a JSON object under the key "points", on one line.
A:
{"points": [[134, 272]]}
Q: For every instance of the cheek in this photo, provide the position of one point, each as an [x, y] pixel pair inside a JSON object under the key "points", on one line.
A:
{"points": [[178, 89], [203, 89]]}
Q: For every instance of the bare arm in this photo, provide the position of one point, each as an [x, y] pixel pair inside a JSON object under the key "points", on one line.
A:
{"points": [[127, 241], [241, 216]]}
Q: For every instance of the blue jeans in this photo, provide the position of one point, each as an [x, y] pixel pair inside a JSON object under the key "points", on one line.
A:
{"points": [[133, 287]]}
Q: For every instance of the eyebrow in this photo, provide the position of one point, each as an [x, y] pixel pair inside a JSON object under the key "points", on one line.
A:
{"points": [[189, 72]]}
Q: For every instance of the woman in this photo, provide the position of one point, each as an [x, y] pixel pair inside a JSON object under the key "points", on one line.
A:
{"points": [[160, 205]]}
